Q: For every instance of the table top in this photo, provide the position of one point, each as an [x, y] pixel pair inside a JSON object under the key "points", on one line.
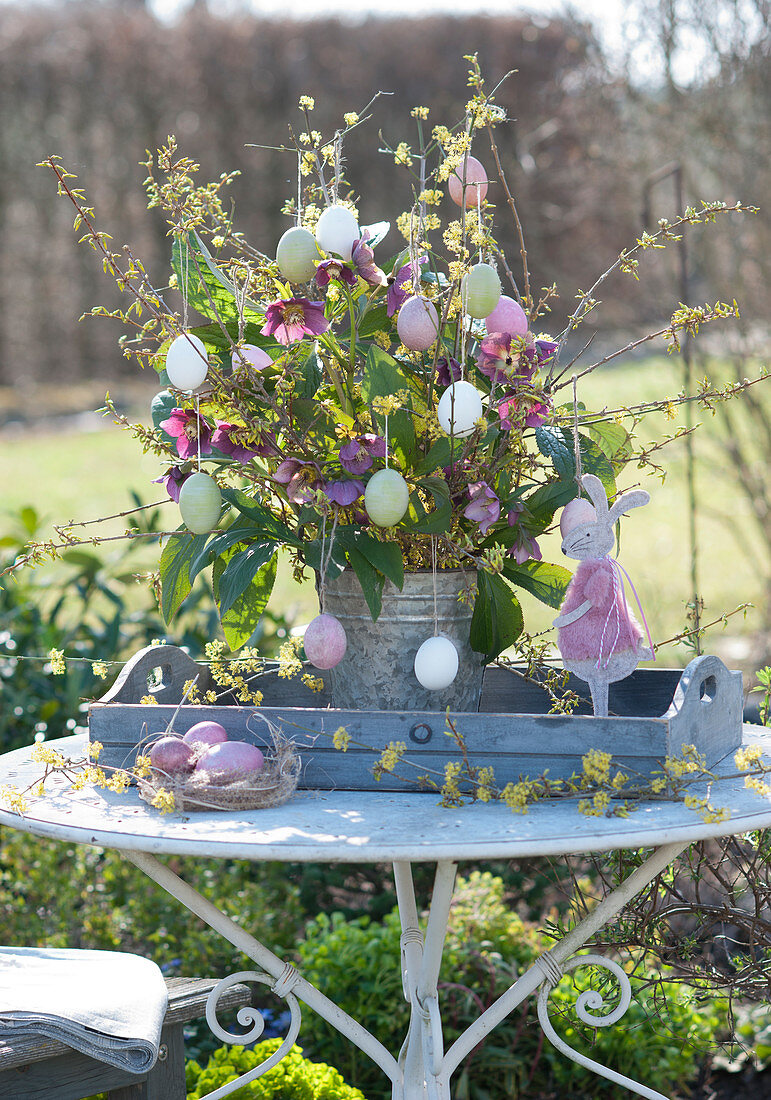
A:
{"points": [[368, 827]]}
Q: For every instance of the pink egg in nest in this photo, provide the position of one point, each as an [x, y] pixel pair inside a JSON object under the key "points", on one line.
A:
{"points": [[508, 316], [229, 760], [171, 754], [473, 171], [325, 641], [205, 733], [418, 323]]}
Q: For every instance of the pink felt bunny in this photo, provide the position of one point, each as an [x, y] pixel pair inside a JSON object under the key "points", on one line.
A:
{"points": [[599, 638]]}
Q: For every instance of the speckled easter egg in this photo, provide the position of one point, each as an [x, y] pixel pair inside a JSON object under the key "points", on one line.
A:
{"points": [[325, 641], [297, 255], [436, 664], [386, 497], [229, 760], [205, 733], [460, 406], [418, 323], [480, 290], [508, 316], [187, 362], [200, 502], [476, 182], [171, 754], [337, 231]]}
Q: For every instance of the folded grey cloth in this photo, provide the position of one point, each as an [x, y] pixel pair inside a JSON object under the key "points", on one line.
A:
{"points": [[107, 1004]]}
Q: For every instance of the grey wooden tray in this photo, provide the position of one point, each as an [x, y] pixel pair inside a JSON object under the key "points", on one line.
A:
{"points": [[654, 713]]}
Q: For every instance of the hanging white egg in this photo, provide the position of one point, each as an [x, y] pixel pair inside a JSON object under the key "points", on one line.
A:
{"points": [[187, 362], [325, 641], [436, 663], [508, 316], [473, 171], [200, 502], [386, 497], [418, 323], [460, 406], [297, 255], [337, 231], [480, 290]]}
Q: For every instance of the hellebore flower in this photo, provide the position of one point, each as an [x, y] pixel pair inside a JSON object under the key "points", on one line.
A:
{"points": [[188, 429], [300, 478], [499, 362], [536, 412], [400, 287], [172, 480], [485, 508], [540, 352], [223, 440], [356, 456], [292, 318], [364, 260], [334, 269], [344, 493], [447, 371], [525, 548]]}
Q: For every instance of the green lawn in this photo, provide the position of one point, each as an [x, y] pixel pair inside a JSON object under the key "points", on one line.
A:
{"points": [[91, 474]]}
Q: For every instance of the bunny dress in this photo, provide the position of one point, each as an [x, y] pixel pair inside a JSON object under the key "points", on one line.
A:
{"points": [[604, 644]]}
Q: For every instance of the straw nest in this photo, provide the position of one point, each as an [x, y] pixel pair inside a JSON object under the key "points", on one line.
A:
{"points": [[272, 785]]}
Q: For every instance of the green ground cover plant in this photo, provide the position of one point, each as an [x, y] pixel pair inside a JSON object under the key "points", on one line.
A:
{"points": [[294, 1078]]}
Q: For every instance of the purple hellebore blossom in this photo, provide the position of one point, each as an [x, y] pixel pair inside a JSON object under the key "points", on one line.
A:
{"points": [[356, 456], [500, 362], [364, 260], [187, 427], [173, 480], [223, 441], [447, 371], [334, 269], [300, 479], [541, 352], [344, 493], [536, 411], [485, 508], [400, 287], [525, 548], [292, 318]]}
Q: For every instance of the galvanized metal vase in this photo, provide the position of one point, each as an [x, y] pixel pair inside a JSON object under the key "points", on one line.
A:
{"points": [[377, 671]]}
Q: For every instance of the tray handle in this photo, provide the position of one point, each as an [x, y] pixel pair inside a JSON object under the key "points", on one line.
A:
{"points": [[158, 670], [707, 706]]}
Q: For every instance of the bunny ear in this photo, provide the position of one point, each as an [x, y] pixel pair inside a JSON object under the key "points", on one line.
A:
{"points": [[595, 489], [636, 499]]}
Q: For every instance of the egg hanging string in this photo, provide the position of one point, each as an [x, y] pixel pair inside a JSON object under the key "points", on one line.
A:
{"points": [[299, 188], [198, 428], [433, 578], [325, 556], [576, 442], [385, 433]]}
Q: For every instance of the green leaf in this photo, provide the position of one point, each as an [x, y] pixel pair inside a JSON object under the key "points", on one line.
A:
{"points": [[497, 621], [207, 289], [265, 523], [439, 519], [439, 455], [370, 579], [594, 461], [386, 557], [240, 571], [161, 408], [557, 444], [377, 232], [374, 320], [544, 502], [383, 377], [240, 621], [312, 374], [177, 555], [614, 441], [541, 579]]}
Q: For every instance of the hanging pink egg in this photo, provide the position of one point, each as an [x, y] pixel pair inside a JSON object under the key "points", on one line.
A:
{"points": [[418, 323], [253, 356], [476, 182], [575, 513], [508, 316], [325, 641]]}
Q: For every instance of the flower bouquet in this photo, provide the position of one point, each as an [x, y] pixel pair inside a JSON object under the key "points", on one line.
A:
{"points": [[372, 412]]}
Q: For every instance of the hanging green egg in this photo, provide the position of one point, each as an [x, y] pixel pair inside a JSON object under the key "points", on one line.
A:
{"points": [[297, 255], [480, 290], [386, 497], [200, 502]]}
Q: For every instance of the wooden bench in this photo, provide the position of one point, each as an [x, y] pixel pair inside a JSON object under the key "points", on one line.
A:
{"points": [[39, 1068]]}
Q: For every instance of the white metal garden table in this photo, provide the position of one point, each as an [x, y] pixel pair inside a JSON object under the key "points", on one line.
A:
{"points": [[344, 826]]}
